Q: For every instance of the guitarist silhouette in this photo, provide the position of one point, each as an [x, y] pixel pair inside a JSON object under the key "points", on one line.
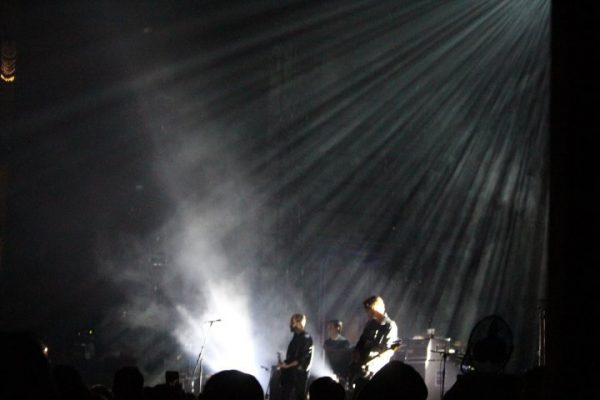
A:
{"points": [[296, 366], [375, 346]]}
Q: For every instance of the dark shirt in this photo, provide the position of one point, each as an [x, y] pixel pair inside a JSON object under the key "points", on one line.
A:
{"points": [[338, 354], [300, 349], [376, 337], [339, 343]]}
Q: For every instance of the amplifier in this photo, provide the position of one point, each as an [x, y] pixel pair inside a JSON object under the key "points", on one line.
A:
{"points": [[426, 356], [416, 349]]}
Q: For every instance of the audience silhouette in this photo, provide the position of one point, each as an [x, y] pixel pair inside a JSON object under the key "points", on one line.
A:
{"points": [[69, 384], [170, 390], [24, 369], [128, 384], [26, 373], [232, 385], [397, 381], [101, 392], [326, 388], [488, 352]]}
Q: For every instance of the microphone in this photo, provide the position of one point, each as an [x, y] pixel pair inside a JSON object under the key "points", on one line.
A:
{"points": [[212, 321]]}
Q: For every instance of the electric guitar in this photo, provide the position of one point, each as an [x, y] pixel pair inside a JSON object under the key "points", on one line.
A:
{"points": [[366, 366]]}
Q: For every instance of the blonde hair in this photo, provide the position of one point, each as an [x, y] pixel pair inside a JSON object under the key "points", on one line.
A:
{"points": [[375, 303], [301, 318]]}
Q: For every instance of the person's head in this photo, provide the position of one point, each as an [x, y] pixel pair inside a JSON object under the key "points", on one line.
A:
{"points": [[326, 388], [395, 380], [24, 369], [69, 383], [491, 353], [297, 323], [172, 378], [232, 385], [334, 328], [128, 383], [375, 307], [101, 392]]}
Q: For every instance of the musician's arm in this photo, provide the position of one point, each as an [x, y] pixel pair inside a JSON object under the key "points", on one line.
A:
{"points": [[357, 352], [303, 359], [285, 364], [291, 364], [392, 335]]}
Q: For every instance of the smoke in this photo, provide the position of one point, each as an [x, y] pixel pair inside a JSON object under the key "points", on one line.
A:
{"points": [[205, 261], [435, 206]]}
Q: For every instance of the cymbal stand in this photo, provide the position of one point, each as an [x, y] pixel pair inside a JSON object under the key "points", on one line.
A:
{"points": [[201, 358]]}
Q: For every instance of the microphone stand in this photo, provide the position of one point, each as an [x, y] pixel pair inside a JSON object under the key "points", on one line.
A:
{"points": [[201, 357], [268, 390], [445, 355]]}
